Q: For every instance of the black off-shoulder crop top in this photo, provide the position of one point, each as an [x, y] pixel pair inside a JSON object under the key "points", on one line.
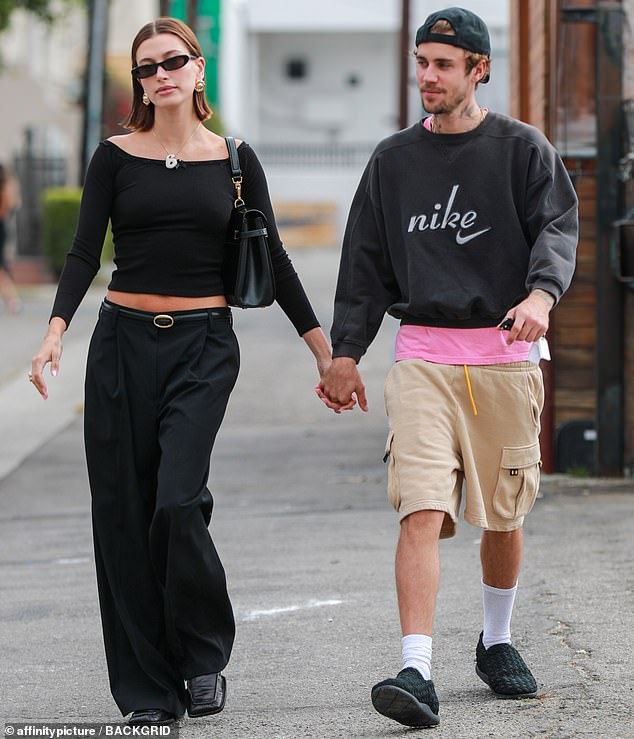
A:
{"points": [[169, 228]]}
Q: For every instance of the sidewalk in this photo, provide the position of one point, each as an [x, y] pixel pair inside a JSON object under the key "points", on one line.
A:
{"points": [[307, 538], [26, 421]]}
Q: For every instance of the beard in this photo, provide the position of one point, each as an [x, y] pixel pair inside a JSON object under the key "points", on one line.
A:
{"points": [[444, 105]]}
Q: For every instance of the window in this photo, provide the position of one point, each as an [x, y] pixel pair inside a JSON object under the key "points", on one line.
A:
{"points": [[296, 69], [576, 124]]}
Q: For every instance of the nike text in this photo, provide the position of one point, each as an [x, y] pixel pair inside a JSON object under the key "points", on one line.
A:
{"points": [[440, 220]]}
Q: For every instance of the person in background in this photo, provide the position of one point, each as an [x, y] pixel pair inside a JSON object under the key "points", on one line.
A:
{"points": [[464, 227], [8, 202], [162, 363]]}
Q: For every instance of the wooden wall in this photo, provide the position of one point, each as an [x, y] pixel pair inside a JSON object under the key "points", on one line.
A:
{"points": [[574, 336], [553, 67], [530, 70], [534, 70]]}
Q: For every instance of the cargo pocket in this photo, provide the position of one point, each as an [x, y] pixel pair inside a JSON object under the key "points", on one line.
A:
{"points": [[518, 481], [393, 494]]}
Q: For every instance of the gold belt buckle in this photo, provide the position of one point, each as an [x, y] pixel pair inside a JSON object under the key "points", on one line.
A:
{"points": [[162, 320]]}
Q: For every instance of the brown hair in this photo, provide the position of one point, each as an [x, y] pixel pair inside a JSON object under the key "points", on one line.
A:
{"points": [[141, 117], [472, 59]]}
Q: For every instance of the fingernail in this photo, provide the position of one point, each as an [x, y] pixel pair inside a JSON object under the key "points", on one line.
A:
{"points": [[54, 373]]}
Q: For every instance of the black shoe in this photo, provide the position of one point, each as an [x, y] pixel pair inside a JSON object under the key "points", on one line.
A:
{"points": [[409, 699], [206, 694], [151, 717], [504, 671]]}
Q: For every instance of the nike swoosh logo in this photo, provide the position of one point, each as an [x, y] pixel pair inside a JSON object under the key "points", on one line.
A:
{"points": [[460, 240]]}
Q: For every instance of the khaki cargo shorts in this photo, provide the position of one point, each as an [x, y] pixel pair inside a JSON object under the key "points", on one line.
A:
{"points": [[451, 424]]}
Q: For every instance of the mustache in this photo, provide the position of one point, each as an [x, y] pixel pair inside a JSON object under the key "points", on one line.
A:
{"points": [[431, 89]]}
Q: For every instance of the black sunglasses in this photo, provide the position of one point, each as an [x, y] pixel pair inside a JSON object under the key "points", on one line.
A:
{"points": [[143, 71]]}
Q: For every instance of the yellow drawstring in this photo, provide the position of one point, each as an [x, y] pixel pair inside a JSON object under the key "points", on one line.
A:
{"points": [[473, 405]]}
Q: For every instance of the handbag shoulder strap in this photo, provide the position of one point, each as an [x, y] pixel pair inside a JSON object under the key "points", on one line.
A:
{"points": [[236, 171], [234, 160]]}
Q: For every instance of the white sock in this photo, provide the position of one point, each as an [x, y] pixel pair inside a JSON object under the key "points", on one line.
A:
{"points": [[498, 609], [416, 650]]}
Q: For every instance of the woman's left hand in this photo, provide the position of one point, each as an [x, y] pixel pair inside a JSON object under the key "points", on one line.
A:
{"points": [[319, 346]]}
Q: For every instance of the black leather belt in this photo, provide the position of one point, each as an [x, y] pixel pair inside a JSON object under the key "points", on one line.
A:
{"points": [[166, 320]]}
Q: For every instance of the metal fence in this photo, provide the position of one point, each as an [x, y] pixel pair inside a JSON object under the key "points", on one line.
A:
{"points": [[315, 155], [34, 173]]}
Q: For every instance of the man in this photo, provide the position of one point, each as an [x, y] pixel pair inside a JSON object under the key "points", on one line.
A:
{"points": [[464, 227]]}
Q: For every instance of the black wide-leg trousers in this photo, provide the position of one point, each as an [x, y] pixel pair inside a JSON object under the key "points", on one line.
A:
{"points": [[154, 400]]}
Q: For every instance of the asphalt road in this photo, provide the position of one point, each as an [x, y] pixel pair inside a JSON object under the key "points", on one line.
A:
{"points": [[307, 538]]}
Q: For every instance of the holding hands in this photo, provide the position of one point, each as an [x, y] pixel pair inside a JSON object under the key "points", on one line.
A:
{"points": [[341, 386]]}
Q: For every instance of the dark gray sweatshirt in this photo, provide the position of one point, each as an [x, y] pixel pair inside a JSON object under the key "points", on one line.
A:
{"points": [[453, 230]]}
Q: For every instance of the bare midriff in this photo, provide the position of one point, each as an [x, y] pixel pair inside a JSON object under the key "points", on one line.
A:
{"points": [[164, 303]]}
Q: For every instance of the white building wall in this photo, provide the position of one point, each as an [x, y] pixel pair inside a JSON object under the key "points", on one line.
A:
{"points": [[338, 40], [234, 67], [346, 96], [334, 16]]}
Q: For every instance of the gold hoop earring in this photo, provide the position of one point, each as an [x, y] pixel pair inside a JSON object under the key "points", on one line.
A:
{"points": [[200, 85], [146, 99]]}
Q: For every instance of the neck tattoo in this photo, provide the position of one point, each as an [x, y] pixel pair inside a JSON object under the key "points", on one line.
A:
{"points": [[437, 128], [171, 160]]}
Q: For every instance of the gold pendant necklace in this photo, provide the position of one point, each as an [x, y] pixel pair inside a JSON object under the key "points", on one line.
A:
{"points": [[171, 160]]}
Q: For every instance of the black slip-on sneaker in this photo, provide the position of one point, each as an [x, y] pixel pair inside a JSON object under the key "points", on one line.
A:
{"points": [[408, 698], [502, 668]]}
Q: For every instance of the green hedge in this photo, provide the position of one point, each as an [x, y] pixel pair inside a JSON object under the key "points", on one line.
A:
{"points": [[60, 209]]}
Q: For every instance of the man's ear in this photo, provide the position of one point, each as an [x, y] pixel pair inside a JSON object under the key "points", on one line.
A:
{"points": [[481, 70]]}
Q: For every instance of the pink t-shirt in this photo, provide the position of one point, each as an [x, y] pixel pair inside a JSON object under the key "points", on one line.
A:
{"points": [[459, 345]]}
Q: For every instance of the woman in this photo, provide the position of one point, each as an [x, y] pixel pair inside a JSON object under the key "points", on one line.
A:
{"points": [[161, 365], [7, 204]]}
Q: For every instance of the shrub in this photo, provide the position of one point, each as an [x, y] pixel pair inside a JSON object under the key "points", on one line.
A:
{"points": [[60, 206]]}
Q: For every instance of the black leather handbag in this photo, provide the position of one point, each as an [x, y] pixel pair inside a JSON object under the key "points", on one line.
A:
{"points": [[248, 276]]}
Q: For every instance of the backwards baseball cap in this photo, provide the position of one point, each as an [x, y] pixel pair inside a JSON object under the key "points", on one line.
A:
{"points": [[470, 30]]}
